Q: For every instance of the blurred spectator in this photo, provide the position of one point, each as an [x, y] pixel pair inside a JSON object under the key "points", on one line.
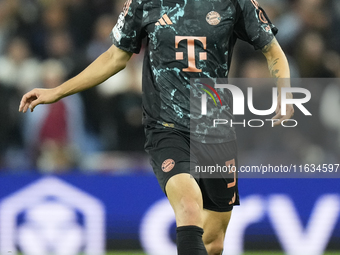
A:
{"points": [[101, 7], [121, 125], [314, 14], [100, 41], [329, 110], [59, 45], [117, 6], [55, 134], [7, 22], [255, 68], [18, 68], [310, 53], [301, 16], [274, 8], [334, 35], [81, 19], [10, 136], [100, 102], [54, 18], [75, 32], [332, 63]]}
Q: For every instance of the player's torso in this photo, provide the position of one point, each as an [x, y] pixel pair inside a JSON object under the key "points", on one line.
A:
{"points": [[187, 39], [193, 36]]}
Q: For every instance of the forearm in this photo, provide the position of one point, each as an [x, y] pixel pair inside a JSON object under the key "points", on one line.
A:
{"points": [[279, 69], [277, 64], [106, 65]]}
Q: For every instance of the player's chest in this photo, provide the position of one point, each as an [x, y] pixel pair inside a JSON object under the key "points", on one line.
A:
{"points": [[166, 19]]}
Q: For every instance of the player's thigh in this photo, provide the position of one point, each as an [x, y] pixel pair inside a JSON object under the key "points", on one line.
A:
{"points": [[170, 158], [185, 198], [169, 153], [215, 225]]}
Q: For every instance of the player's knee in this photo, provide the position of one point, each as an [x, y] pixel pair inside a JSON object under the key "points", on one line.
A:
{"points": [[189, 210], [190, 206], [215, 247], [214, 242]]}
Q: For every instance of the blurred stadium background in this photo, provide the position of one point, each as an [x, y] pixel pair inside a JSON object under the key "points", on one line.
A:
{"points": [[83, 184]]}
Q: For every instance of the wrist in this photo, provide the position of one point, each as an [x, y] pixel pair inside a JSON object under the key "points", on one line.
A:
{"points": [[58, 92], [289, 95]]}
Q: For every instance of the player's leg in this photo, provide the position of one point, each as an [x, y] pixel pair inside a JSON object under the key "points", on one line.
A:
{"points": [[219, 195], [170, 159], [185, 198], [219, 192], [215, 225]]}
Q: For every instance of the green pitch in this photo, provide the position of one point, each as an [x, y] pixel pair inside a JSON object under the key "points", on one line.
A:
{"points": [[246, 253]]}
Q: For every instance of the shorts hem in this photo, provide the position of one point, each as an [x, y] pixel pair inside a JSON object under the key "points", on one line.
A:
{"points": [[168, 178]]}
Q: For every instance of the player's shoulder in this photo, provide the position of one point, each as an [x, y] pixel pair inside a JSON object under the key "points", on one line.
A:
{"points": [[243, 3], [238, 4], [132, 6], [143, 2]]}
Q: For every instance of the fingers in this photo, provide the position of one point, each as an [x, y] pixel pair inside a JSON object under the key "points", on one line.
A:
{"points": [[29, 101], [24, 103], [34, 104], [278, 115], [37, 96], [280, 118]]}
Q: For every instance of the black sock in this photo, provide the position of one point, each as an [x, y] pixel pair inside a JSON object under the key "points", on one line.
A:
{"points": [[189, 241]]}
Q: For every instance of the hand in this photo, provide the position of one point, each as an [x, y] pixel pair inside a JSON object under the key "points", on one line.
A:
{"points": [[289, 110], [37, 96]]}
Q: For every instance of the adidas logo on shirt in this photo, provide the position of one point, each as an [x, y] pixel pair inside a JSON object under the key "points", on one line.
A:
{"points": [[164, 21]]}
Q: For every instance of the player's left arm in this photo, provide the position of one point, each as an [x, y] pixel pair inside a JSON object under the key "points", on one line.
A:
{"points": [[279, 69]]}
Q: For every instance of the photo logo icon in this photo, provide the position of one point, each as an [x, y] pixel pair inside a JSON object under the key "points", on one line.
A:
{"points": [[204, 97]]}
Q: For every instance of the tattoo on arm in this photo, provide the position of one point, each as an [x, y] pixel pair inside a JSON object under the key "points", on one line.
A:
{"points": [[267, 47], [274, 71], [273, 68]]}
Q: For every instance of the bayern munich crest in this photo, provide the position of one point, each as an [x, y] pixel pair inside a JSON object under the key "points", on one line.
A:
{"points": [[213, 18], [168, 165]]}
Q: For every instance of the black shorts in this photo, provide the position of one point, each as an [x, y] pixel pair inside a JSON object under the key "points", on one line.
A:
{"points": [[173, 153]]}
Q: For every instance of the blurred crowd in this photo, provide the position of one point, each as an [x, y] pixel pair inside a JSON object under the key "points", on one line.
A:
{"points": [[45, 42]]}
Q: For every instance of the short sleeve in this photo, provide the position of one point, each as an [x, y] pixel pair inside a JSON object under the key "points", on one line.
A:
{"points": [[253, 25], [128, 33]]}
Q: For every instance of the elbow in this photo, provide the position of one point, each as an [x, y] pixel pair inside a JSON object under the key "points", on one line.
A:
{"points": [[118, 58], [115, 64]]}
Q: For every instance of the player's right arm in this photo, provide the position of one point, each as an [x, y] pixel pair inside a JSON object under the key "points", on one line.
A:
{"points": [[109, 63]]}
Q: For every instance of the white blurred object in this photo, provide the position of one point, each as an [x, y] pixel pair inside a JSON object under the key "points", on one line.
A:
{"points": [[294, 237], [51, 227], [330, 108], [251, 211], [52, 223], [154, 229], [18, 68]]}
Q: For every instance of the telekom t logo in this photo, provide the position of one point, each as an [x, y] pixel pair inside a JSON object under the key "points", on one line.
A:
{"points": [[191, 52]]}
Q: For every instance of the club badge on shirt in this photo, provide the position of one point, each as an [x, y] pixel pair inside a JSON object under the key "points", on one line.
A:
{"points": [[213, 18]]}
